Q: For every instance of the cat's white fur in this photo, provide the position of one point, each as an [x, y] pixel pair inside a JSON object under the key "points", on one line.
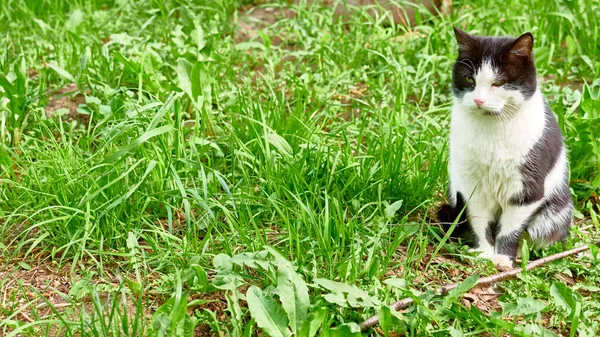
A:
{"points": [[487, 152]]}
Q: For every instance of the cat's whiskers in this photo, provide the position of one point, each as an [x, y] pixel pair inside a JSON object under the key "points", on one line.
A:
{"points": [[511, 110], [507, 113], [504, 119], [471, 66]]}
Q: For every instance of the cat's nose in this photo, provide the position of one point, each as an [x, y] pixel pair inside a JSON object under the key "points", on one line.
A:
{"points": [[479, 101]]}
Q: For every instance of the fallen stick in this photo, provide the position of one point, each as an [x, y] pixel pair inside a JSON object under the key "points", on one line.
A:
{"points": [[406, 302]]}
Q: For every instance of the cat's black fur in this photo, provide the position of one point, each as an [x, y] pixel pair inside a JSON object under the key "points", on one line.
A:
{"points": [[540, 161], [511, 55], [513, 58]]}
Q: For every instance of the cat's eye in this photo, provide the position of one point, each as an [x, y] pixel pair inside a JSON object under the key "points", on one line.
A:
{"points": [[499, 83], [469, 79]]}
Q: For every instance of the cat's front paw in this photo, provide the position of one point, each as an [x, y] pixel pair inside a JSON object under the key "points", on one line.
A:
{"points": [[484, 254], [502, 262]]}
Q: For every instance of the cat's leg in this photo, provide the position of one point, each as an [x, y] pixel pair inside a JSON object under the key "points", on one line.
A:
{"points": [[513, 221], [552, 222], [482, 222]]}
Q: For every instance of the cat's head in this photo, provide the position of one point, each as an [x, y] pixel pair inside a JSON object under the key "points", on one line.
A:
{"points": [[493, 75]]}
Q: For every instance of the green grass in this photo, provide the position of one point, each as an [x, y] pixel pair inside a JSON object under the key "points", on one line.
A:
{"points": [[189, 167]]}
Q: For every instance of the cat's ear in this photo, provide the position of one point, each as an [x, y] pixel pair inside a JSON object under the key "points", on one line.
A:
{"points": [[465, 41], [523, 45]]}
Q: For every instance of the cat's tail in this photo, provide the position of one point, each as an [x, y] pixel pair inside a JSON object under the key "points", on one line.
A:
{"points": [[448, 215]]}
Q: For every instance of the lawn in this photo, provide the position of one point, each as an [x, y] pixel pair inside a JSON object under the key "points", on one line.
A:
{"points": [[224, 168]]}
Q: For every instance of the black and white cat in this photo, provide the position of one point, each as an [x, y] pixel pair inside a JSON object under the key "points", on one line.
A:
{"points": [[508, 162]]}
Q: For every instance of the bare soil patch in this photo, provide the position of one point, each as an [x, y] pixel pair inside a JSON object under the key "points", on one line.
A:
{"points": [[69, 97]]}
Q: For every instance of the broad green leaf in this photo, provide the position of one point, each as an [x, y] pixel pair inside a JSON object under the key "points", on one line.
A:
{"points": [[222, 262], [20, 68], [571, 46], [594, 248], [228, 281], [530, 306], [534, 330], [186, 327], [455, 332], [43, 25], [6, 84], [197, 276], [588, 287], [385, 320], [75, 19], [183, 69], [62, 72], [122, 39], [129, 64], [200, 80], [253, 260], [590, 106], [61, 112], [24, 266], [81, 288], [460, 289], [83, 110], [575, 317], [92, 100], [179, 310], [563, 296], [151, 60], [501, 323], [314, 322], [391, 210], [249, 329], [246, 45], [267, 313], [171, 319], [345, 330], [293, 294], [396, 282], [275, 253], [161, 320], [280, 144], [524, 306], [198, 37], [524, 256], [104, 110], [345, 295]]}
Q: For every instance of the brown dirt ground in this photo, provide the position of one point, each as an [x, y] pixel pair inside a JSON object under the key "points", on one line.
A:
{"points": [[68, 97], [31, 286], [252, 19]]}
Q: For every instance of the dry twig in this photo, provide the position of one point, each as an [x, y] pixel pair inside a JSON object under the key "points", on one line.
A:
{"points": [[485, 281]]}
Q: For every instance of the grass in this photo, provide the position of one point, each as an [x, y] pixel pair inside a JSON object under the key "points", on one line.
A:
{"points": [[163, 174]]}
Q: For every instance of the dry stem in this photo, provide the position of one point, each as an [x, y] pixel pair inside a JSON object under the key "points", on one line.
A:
{"points": [[406, 302]]}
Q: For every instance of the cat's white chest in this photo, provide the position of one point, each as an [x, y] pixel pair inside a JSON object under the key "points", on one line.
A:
{"points": [[490, 172], [486, 156]]}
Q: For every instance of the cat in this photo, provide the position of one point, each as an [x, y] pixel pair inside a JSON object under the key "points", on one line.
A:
{"points": [[508, 161]]}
